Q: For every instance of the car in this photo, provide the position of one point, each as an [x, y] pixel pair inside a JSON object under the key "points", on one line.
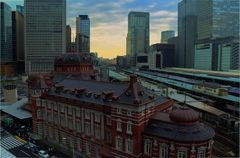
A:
{"points": [[43, 154], [30, 145]]}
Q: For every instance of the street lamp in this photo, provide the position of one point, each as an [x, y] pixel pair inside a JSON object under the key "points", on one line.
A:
{"points": [[64, 138]]}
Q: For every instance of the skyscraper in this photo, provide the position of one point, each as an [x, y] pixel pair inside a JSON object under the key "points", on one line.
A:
{"points": [[217, 18], [6, 33], [18, 38], [187, 32], [138, 35], [45, 33], [217, 35], [166, 35], [83, 33], [68, 38], [6, 40]]}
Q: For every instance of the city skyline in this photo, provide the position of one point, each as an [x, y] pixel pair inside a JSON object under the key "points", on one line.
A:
{"points": [[109, 21]]}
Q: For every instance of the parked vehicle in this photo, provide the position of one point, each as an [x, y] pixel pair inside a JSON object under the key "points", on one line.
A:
{"points": [[43, 154]]}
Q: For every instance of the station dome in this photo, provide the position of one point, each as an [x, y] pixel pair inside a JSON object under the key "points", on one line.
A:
{"points": [[184, 115]]}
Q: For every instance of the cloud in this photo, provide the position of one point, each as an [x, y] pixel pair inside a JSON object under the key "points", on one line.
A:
{"points": [[164, 13]]}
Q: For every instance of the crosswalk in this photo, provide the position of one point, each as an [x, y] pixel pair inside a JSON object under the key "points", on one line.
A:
{"points": [[10, 142]]}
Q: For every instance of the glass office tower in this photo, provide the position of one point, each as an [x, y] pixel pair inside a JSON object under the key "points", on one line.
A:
{"points": [[166, 35], [83, 33], [6, 34], [218, 18], [187, 32], [218, 26], [45, 33], [138, 35]]}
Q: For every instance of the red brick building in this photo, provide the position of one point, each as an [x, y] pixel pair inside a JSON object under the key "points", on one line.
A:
{"points": [[110, 119], [74, 63], [177, 134]]}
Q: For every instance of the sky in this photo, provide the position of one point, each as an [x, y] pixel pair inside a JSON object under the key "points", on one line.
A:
{"points": [[108, 20]]}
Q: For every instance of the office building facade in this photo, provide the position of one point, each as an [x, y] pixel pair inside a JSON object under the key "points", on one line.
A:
{"points": [[7, 65], [218, 27], [221, 54], [18, 39], [187, 32], [82, 43], [217, 19], [45, 34], [138, 35], [6, 33], [68, 38], [166, 35], [83, 33]]}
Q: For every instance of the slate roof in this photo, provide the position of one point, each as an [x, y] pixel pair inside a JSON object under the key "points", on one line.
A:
{"points": [[101, 92], [161, 125]]}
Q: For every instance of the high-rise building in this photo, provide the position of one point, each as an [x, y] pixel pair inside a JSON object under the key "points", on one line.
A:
{"points": [[20, 9], [138, 35], [187, 32], [218, 35], [68, 38], [45, 33], [82, 43], [165, 35], [6, 40], [6, 33], [83, 33], [18, 39], [217, 18]]}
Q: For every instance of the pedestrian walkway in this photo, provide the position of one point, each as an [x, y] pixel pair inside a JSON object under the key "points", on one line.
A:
{"points": [[9, 142]]}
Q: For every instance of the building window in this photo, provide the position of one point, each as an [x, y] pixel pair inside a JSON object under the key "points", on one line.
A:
{"points": [[39, 114], [108, 136], [147, 147], [38, 102], [97, 117], [109, 120], [129, 146], [163, 151], [62, 120], [55, 107], [87, 115], [78, 126], [87, 128], [88, 148], [118, 143], [70, 123], [97, 131], [55, 117], [70, 109], [119, 125], [49, 115], [129, 112], [50, 104], [62, 108], [78, 112], [201, 153], [118, 110], [182, 153], [129, 127]]}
